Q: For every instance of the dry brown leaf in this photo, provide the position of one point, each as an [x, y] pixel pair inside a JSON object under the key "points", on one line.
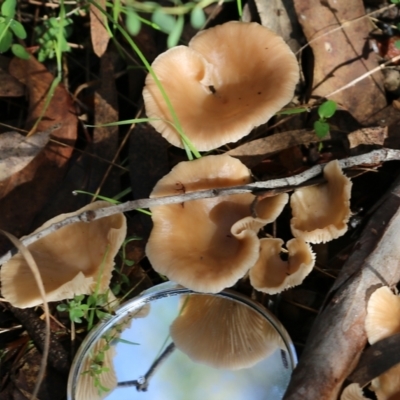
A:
{"points": [[340, 55], [40, 179], [370, 136], [9, 86], [280, 17], [17, 151], [98, 31], [254, 152]]}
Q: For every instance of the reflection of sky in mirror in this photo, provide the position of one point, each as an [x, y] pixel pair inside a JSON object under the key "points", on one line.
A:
{"points": [[178, 378]]}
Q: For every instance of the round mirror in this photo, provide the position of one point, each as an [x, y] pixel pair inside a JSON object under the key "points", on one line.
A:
{"points": [[171, 344]]}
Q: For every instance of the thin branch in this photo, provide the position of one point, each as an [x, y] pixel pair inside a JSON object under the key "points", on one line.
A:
{"points": [[291, 182], [142, 384]]}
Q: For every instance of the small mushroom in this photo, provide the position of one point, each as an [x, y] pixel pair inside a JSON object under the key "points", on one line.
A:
{"points": [[273, 275], [353, 392], [382, 321], [207, 245], [72, 260], [222, 333], [321, 212], [383, 315], [230, 79]]}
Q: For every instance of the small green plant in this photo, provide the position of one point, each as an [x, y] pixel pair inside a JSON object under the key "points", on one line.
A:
{"points": [[10, 27], [325, 110], [52, 37], [97, 361], [122, 277], [168, 19], [75, 308]]}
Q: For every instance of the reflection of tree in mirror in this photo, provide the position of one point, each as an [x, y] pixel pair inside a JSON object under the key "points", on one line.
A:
{"points": [[142, 383]]}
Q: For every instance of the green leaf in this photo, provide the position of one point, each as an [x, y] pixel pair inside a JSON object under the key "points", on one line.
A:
{"points": [[176, 33], [8, 8], [20, 51], [101, 314], [62, 307], [18, 29], [321, 128], [133, 23], [79, 297], [197, 17], [397, 44], [166, 22], [327, 109], [129, 263], [6, 41]]}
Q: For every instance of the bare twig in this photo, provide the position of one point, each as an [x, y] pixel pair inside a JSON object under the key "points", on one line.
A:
{"points": [[142, 384], [372, 158]]}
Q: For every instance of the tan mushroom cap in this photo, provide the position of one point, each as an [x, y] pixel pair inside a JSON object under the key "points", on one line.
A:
{"points": [[222, 333], [383, 315], [382, 321], [273, 275], [387, 385], [207, 245], [321, 212], [69, 260], [230, 79], [352, 392]]}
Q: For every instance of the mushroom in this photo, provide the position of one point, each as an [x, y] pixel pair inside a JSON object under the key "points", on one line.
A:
{"points": [[383, 315], [230, 79], [321, 212], [353, 392], [273, 275], [222, 333], [207, 245], [72, 260], [382, 321]]}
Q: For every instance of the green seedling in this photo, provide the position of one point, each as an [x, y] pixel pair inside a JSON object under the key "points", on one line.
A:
{"points": [[325, 110], [123, 278], [54, 45], [10, 28], [188, 146], [52, 37], [75, 308]]}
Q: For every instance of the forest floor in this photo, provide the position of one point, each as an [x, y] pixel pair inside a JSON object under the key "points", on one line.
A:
{"points": [[57, 155]]}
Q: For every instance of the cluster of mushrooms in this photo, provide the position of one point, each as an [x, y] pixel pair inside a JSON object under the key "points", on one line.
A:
{"points": [[208, 245], [205, 245]]}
